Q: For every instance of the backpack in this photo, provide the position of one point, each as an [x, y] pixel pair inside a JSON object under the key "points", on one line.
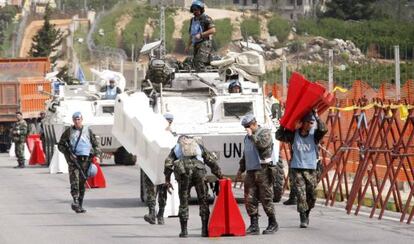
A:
{"points": [[188, 146]]}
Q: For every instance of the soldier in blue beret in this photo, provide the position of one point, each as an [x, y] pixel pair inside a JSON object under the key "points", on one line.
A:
{"points": [[260, 174]]}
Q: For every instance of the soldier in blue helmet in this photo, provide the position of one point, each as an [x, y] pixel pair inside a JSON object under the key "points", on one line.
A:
{"points": [[79, 145], [235, 87], [201, 30]]}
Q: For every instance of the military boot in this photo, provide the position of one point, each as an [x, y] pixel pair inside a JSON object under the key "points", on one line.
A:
{"points": [[150, 217], [254, 226], [184, 232], [272, 227], [81, 209], [160, 216], [204, 227], [290, 201], [75, 205], [307, 216], [303, 220]]}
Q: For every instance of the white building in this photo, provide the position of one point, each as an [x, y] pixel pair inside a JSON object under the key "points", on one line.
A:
{"points": [[17, 3], [175, 3]]}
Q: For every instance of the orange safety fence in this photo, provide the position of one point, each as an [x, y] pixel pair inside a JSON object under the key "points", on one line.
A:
{"points": [[369, 148]]}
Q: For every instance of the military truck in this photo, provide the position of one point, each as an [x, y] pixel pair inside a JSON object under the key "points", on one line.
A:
{"points": [[21, 79], [203, 107]]}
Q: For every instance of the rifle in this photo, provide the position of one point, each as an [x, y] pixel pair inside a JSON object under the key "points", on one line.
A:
{"points": [[74, 160]]}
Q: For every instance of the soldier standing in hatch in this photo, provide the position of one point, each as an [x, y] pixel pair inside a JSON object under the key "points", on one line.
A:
{"points": [[201, 29], [187, 160], [304, 142], [78, 144], [19, 133], [260, 175]]}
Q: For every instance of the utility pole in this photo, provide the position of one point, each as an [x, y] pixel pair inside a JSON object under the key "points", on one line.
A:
{"points": [[162, 31], [397, 71]]}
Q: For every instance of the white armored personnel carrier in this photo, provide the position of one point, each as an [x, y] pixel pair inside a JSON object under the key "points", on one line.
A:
{"points": [[202, 107], [97, 114]]}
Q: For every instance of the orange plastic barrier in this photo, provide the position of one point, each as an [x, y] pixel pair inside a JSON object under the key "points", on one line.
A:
{"points": [[99, 180], [37, 156], [226, 218]]}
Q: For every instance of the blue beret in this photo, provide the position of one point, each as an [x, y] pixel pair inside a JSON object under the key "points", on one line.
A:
{"points": [[248, 119], [76, 115], [169, 116], [308, 117]]}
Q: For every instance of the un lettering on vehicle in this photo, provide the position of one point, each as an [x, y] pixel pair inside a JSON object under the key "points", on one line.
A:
{"points": [[232, 150], [106, 141]]}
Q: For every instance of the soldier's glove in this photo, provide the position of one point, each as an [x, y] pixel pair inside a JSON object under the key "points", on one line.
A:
{"points": [[168, 186]]}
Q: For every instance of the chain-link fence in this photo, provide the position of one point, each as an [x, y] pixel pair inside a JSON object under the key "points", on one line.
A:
{"points": [[374, 65]]}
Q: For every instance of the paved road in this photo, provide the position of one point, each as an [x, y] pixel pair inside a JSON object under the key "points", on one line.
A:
{"points": [[35, 208]]}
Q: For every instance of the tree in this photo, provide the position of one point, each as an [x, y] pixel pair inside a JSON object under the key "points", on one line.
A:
{"points": [[47, 39], [350, 9]]}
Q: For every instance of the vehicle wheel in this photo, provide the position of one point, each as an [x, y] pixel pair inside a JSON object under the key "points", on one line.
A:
{"points": [[3, 148], [279, 182], [123, 157], [143, 192]]}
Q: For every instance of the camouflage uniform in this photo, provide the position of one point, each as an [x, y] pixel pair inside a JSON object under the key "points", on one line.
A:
{"points": [[159, 72], [77, 181], [19, 133], [258, 184], [304, 180], [152, 191], [202, 49], [190, 171]]}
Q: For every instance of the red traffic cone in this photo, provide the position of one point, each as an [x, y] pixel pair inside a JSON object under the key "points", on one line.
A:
{"points": [[302, 97], [226, 218], [30, 140], [98, 181], [37, 156]]}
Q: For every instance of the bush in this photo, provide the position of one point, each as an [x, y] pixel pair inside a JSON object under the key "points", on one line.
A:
{"points": [[224, 31], [279, 27], [250, 27], [108, 22], [384, 33], [134, 30], [296, 46]]}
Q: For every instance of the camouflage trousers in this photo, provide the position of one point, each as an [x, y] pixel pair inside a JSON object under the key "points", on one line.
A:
{"points": [[152, 191], [194, 177], [202, 54], [258, 186], [292, 193], [77, 181], [19, 151], [305, 183]]}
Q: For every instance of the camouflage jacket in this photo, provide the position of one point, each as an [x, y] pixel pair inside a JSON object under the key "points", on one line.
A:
{"points": [[262, 139], [19, 131], [210, 159], [64, 143]]}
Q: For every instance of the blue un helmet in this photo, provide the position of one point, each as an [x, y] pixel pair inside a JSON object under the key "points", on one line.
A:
{"points": [[234, 84], [197, 4]]}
